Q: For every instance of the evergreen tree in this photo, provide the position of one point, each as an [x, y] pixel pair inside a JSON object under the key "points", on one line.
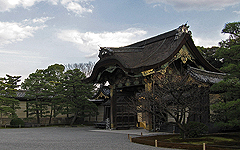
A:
{"points": [[209, 55], [35, 86], [8, 103], [54, 76], [61, 92], [229, 53], [76, 94]]}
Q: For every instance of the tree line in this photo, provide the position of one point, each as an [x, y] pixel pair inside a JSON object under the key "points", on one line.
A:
{"points": [[50, 92]]}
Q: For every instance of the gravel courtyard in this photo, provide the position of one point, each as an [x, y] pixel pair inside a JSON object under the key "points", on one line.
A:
{"points": [[66, 138]]}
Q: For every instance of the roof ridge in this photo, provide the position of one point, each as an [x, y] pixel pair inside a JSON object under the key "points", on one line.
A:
{"points": [[154, 39], [175, 32]]}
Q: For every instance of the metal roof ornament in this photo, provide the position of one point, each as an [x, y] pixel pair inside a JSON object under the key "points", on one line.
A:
{"points": [[182, 29], [105, 51]]}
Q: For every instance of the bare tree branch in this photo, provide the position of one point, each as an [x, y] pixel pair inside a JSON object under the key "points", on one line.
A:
{"points": [[173, 95], [86, 68]]}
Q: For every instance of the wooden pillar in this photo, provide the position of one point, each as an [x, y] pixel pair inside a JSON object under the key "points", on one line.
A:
{"points": [[205, 117], [147, 116], [113, 106]]}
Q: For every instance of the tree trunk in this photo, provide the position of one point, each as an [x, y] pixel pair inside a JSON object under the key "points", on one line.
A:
{"points": [[38, 118], [74, 118], [50, 118], [37, 111], [182, 129], [1, 119]]}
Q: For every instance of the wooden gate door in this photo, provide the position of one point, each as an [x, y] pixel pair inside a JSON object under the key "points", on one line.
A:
{"points": [[125, 118]]}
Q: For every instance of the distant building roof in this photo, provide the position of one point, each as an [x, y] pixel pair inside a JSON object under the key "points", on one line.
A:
{"points": [[20, 94], [103, 93]]}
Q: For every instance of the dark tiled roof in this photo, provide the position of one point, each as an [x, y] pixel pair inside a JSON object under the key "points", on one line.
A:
{"points": [[205, 76], [145, 53], [149, 54]]}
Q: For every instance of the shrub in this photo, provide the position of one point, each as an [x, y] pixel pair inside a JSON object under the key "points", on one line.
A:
{"points": [[194, 129], [16, 122]]}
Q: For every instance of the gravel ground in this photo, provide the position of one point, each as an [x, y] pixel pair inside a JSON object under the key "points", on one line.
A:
{"points": [[66, 138]]}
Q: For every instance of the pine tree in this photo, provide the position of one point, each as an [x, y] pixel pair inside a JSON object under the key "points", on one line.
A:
{"points": [[8, 103], [229, 53], [35, 86], [54, 76], [76, 94], [209, 55]]}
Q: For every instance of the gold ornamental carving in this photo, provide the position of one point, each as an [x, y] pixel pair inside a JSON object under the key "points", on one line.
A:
{"points": [[148, 72], [162, 71], [184, 54], [102, 95]]}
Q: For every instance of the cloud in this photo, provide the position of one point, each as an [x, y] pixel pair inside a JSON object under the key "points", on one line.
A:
{"points": [[183, 5], [91, 41], [11, 32], [209, 42], [9, 52], [41, 20], [93, 55], [237, 12], [53, 2], [156, 5], [7, 5], [76, 6]]}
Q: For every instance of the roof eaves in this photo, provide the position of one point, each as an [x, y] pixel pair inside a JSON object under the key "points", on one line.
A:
{"points": [[197, 54], [205, 76]]}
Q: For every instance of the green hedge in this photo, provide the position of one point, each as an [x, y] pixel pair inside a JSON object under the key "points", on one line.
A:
{"points": [[194, 129], [16, 122]]}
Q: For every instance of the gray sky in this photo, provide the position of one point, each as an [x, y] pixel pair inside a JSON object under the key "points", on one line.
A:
{"points": [[37, 33]]}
